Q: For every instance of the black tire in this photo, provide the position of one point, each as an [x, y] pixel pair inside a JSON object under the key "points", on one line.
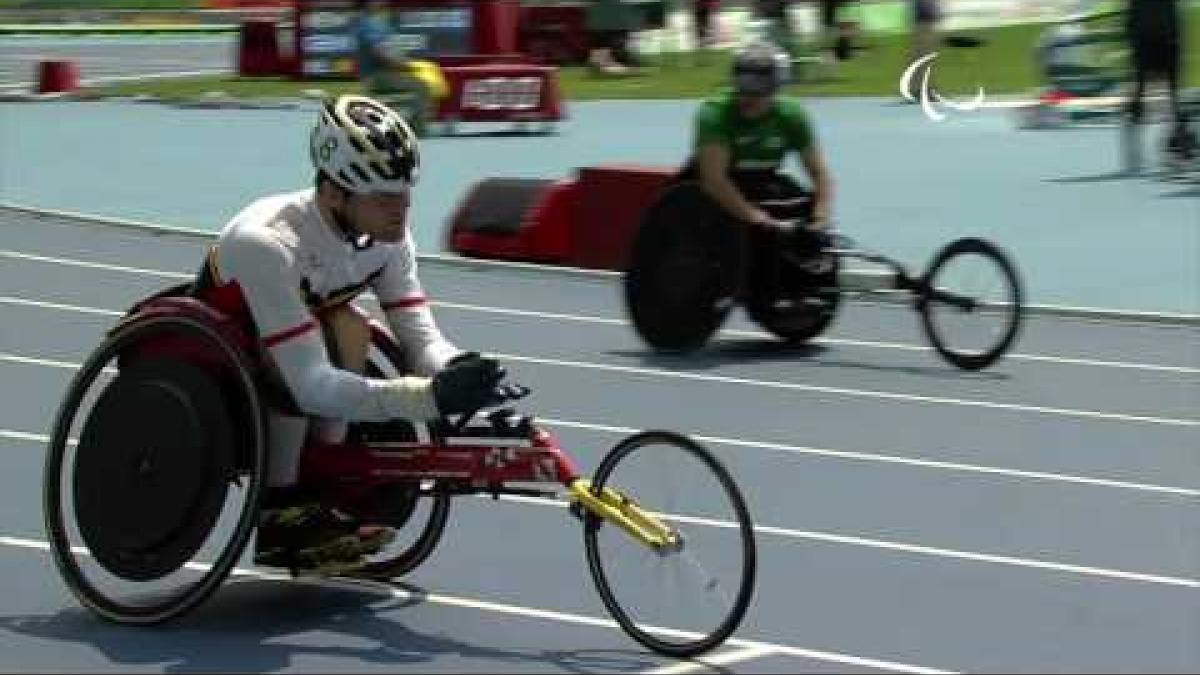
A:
{"points": [[790, 303], [1008, 306], [593, 526], [249, 428], [402, 500], [781, 294], [683, 270]]}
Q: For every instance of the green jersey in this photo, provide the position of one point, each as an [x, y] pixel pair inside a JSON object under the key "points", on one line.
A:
{"points": [[755, 145]]}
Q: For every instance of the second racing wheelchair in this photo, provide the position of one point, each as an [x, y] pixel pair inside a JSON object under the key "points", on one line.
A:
{"points": [[158, 457], [691, 264]]}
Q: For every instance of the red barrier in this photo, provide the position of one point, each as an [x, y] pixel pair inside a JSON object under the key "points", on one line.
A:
{"points": [[612, 199], [57, 77], [501, 92], [496, 23], [258, 49], [515, 219]]}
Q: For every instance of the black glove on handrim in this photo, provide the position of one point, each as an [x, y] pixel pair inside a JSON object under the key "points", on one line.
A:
{"points": [[467, 383]]}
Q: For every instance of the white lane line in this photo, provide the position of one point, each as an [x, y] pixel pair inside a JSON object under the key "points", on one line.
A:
{"points": [[863, 542], [108, 267], [800, 449], [7, 300], [31, 361], [109, 79], [796, 386], [828, 341], [895, 459], [710, 663], [23, 436], [915, 549], [855, 393], [620, 322], [550, 615]]}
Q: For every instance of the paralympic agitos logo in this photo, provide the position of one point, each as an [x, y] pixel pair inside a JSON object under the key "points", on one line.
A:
{"points": [[931, 99]]}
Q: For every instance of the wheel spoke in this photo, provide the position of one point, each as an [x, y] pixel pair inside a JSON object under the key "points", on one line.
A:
{"points": [[702, 588]]}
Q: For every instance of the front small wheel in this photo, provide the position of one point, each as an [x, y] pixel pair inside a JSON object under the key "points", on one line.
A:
{"points": [[971, 303], [684, 599]]}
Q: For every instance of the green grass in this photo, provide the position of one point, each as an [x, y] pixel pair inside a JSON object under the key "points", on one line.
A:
{"points": [[1003, 65]]}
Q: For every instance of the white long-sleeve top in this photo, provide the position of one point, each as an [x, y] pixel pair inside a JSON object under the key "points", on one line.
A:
{"points": [[288, 264]]}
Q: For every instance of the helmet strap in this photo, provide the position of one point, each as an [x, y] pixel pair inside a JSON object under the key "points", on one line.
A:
{"points": [[356, 239]]}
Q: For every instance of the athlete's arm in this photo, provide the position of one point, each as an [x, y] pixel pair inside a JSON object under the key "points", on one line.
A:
{"points": [[822, 182], [803, 141], [407, 309], [712, 165], [290, 335]]}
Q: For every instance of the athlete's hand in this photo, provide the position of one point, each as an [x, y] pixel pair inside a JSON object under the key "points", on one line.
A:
{"points": [[820, 220], [467, 383], [761, 218]]}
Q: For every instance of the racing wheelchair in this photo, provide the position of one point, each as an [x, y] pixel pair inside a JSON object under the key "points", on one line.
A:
{"points": [[691, 263], [159, 454]]}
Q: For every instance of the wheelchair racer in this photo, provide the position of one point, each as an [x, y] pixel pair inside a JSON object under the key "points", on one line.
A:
{"points": [[743, 135], [1155, 32], [290, 264]]}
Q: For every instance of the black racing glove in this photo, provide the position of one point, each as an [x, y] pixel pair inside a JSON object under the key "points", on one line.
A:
{"points": [[806, 242], [467, 383]]}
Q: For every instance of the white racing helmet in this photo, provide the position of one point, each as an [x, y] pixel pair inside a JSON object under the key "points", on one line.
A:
{"points": [[364, 146]]}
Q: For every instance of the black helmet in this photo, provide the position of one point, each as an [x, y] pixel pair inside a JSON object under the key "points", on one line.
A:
{"points": [[760, 68]]}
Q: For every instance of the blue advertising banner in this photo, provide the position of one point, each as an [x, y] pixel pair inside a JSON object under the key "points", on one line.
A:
{"points": [[325, 33]]}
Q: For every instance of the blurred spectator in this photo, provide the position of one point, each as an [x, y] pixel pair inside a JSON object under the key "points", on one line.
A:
{"points": [[704, 14], [926, 15], [610, 23], [837, 33], [1155, 37], [774, 14]]}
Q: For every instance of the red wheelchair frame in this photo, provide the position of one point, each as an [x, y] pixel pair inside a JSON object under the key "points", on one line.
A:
{"points": [[381, 470]]}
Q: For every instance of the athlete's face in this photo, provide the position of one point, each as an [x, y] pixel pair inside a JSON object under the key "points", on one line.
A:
{"points": [[754, 106], [383, 215]]}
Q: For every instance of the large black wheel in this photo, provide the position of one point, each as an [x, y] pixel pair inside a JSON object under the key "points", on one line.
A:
{"points": [[687, 599], [793, 296], [791, 287], [971, 303], [683, 270], [154, 468], [418, 511]]}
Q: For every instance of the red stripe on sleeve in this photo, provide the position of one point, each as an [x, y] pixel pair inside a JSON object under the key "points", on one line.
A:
{"points": [[288, 334], [405, 303]]}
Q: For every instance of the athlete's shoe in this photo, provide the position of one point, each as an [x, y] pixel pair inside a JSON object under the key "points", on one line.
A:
{"points": [[313, 539]]}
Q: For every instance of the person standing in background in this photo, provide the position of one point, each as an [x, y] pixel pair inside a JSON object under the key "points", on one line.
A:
{"points": [[926, 15], [838, 34], [704, 14], [1154, 31], [775, 17]]}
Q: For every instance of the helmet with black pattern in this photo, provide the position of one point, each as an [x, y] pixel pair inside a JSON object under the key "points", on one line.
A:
{"points": [[364, 146]]}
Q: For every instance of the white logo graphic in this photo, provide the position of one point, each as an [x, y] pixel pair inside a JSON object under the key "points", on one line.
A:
{"points": [[929, 98], [502, 93]]}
